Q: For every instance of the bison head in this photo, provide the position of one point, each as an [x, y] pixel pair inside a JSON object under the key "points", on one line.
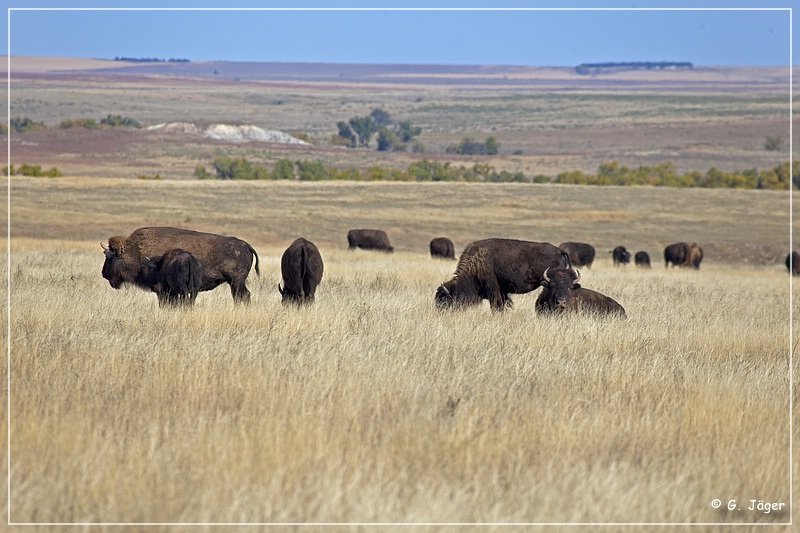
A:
{"points": [[560, 282], [119, 267], [456, 293]]}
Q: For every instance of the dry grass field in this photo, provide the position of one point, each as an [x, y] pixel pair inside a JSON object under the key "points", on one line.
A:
{"points": [[371, 406]]}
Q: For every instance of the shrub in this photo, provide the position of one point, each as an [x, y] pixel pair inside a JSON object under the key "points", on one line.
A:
{"points": [[33, 171], [87, 123], [21, 125], [118, 121]]}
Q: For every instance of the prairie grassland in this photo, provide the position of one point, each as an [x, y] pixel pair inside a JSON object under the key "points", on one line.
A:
{"points": [[372, 406]]}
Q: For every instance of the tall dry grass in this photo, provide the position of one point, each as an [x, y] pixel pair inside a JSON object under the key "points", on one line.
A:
{"points": [[372, 406]]}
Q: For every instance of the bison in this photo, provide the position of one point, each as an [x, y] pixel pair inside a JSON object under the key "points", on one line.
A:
{"points": [[620, 256], [694, 256], [443, 247], [224, 259], [491, 269], [369, 239], [562, 292], [793, 263], [301, 269], [676, 254], [580, 253], [642, 259], [176, 277]]}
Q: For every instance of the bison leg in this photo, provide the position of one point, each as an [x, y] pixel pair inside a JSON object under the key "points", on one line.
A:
{"points": [[240, 293]]}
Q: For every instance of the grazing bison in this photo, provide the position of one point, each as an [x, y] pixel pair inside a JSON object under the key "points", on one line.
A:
{"points": [[694, 256], [224, 259], [443, 247], [369, 239], [580, 253], [491, 269], [176, 277], [642, 259], [620, 256], [301, 268], [793, 263], [562, 292], [676, 254]]}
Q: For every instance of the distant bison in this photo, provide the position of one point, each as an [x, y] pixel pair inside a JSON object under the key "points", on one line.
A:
{"points": [[642, 259], [301, 268], [695, 256], [620, 256], [369, 239], [580, 253], [443, 247], [176, 277], [491, 269], [676, 254], [793, 263], [562, 292], [683, 255], [224, 259]]}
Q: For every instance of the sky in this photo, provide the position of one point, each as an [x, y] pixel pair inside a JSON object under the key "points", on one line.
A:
{"points": [[381, 35]]}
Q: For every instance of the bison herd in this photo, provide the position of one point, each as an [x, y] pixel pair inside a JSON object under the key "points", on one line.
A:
{"points": [[177, 264]]}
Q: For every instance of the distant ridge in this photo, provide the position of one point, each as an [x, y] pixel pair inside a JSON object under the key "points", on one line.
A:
{"points": [[601, 68]]}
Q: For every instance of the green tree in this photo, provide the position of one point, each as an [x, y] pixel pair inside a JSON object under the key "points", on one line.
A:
{"points": [[364, 128], [283, 170]]}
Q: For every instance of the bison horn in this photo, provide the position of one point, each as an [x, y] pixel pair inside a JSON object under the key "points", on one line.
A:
{"points": [[444, 289], [544, 276], [577, 276], [280, 290], [103, 246]]}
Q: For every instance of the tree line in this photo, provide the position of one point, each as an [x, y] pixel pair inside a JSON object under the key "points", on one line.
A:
{"points": [[609, 173]]}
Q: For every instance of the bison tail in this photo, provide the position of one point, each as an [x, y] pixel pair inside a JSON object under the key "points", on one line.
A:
{"points": [[252, 250]]}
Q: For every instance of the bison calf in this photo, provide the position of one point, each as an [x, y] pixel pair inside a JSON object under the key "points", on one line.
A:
{"points": [[301, 269], [562, 292], [177, 277], [642, 259]]}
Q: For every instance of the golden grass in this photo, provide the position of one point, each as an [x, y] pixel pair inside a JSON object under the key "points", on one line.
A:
{"points": [[370, 405]]}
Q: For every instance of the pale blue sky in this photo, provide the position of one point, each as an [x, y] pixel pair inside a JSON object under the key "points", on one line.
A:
{"points": [[538, 38]]}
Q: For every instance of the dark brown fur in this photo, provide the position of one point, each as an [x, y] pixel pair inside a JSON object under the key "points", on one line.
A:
{"points": [[562, 292], [676, 254], [224, 259], [694, 257], [369, 239], [620, 256], [177, 277], [442, 247], [301, 268], [580, 253], [491, 269], [793, 263], [642, 259]]}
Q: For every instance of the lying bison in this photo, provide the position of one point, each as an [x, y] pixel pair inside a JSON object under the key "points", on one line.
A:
{"points": [[580, 253], [224, 259], [642, 259], [793, 263], [443, 247], [368, 239], [620, 256], [301, 269], [491, 269], [562, 292], [175, 277]]}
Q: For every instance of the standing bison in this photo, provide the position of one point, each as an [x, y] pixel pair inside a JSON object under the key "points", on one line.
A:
{"points": [[642, 259], [369, 239], [676, 254], [683, 255], [176, 277], [620, 256], [491, 269], [301, 268], [580, 253], [443, 247], [224, 259], [793, 263], [562, 292]]}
